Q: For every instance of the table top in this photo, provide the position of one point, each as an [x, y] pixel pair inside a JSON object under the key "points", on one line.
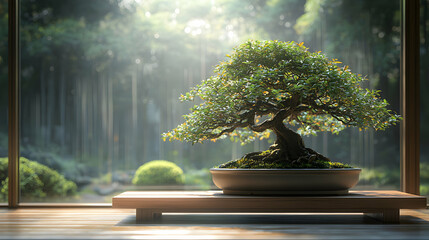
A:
{"points": [[217, 200], [219, 194]]}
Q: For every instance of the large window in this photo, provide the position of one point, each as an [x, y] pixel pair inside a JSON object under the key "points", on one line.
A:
{"points": [[100, 82]]}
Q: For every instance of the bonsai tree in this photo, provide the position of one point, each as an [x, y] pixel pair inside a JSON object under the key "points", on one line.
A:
{"points": [[282, 88]]}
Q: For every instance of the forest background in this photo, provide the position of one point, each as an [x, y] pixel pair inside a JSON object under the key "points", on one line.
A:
{"points": [[100, 81]]}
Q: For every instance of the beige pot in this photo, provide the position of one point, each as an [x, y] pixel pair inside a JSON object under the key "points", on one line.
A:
{"points": [[285, 181]]}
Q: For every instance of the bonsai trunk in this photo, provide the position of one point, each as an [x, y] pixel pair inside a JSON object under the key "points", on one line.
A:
{"points": [[289, 142], [289, 146]]}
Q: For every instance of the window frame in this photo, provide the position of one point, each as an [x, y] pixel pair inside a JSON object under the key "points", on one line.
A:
{"points": [[410, 104], [13, 107], [410, 96]]}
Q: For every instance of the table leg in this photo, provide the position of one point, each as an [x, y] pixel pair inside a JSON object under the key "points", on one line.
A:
{"points": [[146, 215], [386, 215], [391, 215]]}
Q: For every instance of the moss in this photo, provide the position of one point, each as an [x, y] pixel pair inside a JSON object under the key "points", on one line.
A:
{"points": [[265, 153], [255, 164], [158, 172]]}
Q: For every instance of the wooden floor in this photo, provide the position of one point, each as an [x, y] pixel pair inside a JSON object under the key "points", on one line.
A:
{"points": [[108, 223]]}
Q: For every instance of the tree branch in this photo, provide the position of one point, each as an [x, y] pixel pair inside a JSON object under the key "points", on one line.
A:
{"points": [[227, 130], [269, 123]]}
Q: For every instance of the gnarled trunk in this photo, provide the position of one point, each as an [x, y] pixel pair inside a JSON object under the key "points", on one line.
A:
{"points": [[288, 147], [289, 142]]}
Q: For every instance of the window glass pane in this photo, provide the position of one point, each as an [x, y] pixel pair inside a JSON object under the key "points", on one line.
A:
{"points": [[424, 85], [366, 36], [101, 81], [3, 101]]}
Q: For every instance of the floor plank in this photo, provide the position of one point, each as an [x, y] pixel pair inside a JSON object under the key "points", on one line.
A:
{"points": [[99, 223]]}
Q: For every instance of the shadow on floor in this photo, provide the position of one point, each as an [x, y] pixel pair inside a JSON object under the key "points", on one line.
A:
{"points": [[269, 219], [285, 226]]}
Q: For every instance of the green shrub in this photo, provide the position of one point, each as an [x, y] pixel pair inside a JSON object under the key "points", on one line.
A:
{"points": [[104, 179], [158, 172], [199, 177], [424, 189], [3, 169], [37, 181], [424, 172], [380, 177], [424, 178]]}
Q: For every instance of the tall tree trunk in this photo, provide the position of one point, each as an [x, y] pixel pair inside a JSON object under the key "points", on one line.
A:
{"points": [[43, 100], [62, 104]]}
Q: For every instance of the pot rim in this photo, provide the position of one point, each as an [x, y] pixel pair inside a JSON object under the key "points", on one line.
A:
{"points": [[284, 169]]}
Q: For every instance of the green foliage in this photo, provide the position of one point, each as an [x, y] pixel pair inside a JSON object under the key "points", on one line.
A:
{"points": [[380, 177], [3, 168], [198, 177], [104, 179], [51, 157], [37, 181], [306, 21], [424, 172], [424, 178], [424, 189], [158, 172], [265, 79]]}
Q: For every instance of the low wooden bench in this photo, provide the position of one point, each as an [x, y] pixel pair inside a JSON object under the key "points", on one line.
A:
{"points": [[384, 205]]}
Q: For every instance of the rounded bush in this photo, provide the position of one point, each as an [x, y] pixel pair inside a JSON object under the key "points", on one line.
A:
{"points": [[158, 172], [37, 181], [3, 169]]}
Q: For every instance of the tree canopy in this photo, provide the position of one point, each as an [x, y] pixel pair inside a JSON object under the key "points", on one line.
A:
{"points": [[264, 82]]}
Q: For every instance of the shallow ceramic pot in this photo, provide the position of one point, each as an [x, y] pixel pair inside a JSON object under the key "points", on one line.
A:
{"points": [[285, 181]]}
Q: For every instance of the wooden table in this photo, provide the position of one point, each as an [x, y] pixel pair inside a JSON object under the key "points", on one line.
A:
{"points": [[384, 205]]}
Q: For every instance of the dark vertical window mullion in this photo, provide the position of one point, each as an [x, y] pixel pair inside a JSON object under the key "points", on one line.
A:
{"points": [[410, 96], [13, 117]]}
